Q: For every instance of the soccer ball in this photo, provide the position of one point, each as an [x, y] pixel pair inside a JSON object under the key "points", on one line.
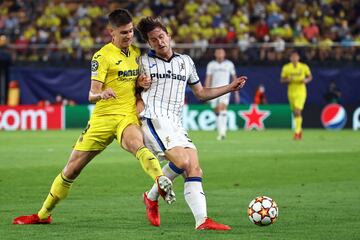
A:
{"points": [[263, 211]]}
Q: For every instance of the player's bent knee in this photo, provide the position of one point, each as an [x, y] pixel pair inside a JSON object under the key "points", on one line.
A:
{"points": [[184, 163], [132, 145], [297, 113], [221, 107], [180, 157]]}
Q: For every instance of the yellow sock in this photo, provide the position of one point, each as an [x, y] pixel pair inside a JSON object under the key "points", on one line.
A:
{"points": [[149, 162], [298, 124], [59, 190]]}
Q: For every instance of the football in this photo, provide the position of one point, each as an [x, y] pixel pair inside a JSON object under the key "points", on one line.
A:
{"points": [[263, 211]]}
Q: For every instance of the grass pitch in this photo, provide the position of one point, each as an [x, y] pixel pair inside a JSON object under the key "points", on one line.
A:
{"points": [[315, 182]]}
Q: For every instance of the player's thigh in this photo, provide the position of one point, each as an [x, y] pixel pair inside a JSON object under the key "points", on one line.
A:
{"points": [[182, 141], [222, 102], [129, 134], [98, 134], [297, 100], [77, 161], [299, 103], [214, 103], [292, 99], [224, 99]]}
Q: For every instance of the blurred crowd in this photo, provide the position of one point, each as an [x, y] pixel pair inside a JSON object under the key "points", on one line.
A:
{"points": [[261, 30]]}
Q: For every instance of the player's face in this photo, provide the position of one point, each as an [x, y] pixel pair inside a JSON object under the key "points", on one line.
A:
{"points": [[220, 54], [261, 88], [122, 36], [294, 58], [159, 40]]}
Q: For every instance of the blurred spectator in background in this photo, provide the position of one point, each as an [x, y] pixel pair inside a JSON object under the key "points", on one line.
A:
{"points": [[325, 47], [311, 32], [75, 29], [262, 30], [279, 47], [44, 103], [260, 97], [333, 94], [60, 100]]}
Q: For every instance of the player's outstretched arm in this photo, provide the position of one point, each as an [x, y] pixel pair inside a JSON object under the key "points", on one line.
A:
{"points": [[96, 93], [205, 94]]}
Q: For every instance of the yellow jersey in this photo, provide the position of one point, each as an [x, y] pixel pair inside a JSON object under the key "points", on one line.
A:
{"points": [[116, 70], [296, 75]]}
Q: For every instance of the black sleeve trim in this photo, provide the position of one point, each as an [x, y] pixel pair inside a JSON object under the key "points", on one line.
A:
{"points": [[194, 82]]}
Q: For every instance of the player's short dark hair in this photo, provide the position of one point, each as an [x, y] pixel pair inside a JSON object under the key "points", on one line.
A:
{"points": [[294, 52], [148, 24], [120, 17]]}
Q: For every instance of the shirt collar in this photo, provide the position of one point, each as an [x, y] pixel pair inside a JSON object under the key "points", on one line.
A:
{"points": [[152, 54]]}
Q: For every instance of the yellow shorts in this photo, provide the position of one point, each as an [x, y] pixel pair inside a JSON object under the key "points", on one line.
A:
{"points": [[297, 100], [101, 131]]}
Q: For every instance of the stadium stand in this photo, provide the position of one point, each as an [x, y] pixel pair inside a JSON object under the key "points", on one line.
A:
{"points": [[254, 30]]}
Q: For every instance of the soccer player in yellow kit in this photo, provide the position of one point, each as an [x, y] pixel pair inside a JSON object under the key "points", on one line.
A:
{"points": [[114, 71], [296, 74]]}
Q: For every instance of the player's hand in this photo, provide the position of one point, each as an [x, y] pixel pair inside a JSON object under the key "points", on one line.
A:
{"points": [[144, 81], [238, 83], [288, 80], [306, 80], [285, 80], [107, 93]]}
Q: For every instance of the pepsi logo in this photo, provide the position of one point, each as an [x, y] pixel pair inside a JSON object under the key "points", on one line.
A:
{"points": [[333, 116]]}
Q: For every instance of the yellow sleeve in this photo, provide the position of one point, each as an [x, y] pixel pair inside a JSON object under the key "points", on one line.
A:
{"points": [[307, 70], [284, 72], [99, 67]]}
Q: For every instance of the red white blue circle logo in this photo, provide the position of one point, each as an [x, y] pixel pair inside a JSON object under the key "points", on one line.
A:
{"points": [[333, 116]]}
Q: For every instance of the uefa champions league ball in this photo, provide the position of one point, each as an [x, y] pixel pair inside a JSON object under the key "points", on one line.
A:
{"points": [[263, 211]]}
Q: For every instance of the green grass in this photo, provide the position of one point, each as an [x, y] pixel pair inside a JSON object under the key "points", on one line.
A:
{"points": [[316, 183]]}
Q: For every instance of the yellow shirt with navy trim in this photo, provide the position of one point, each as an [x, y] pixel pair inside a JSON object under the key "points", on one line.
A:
{"points": [[116, 70], [296, 74]]}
